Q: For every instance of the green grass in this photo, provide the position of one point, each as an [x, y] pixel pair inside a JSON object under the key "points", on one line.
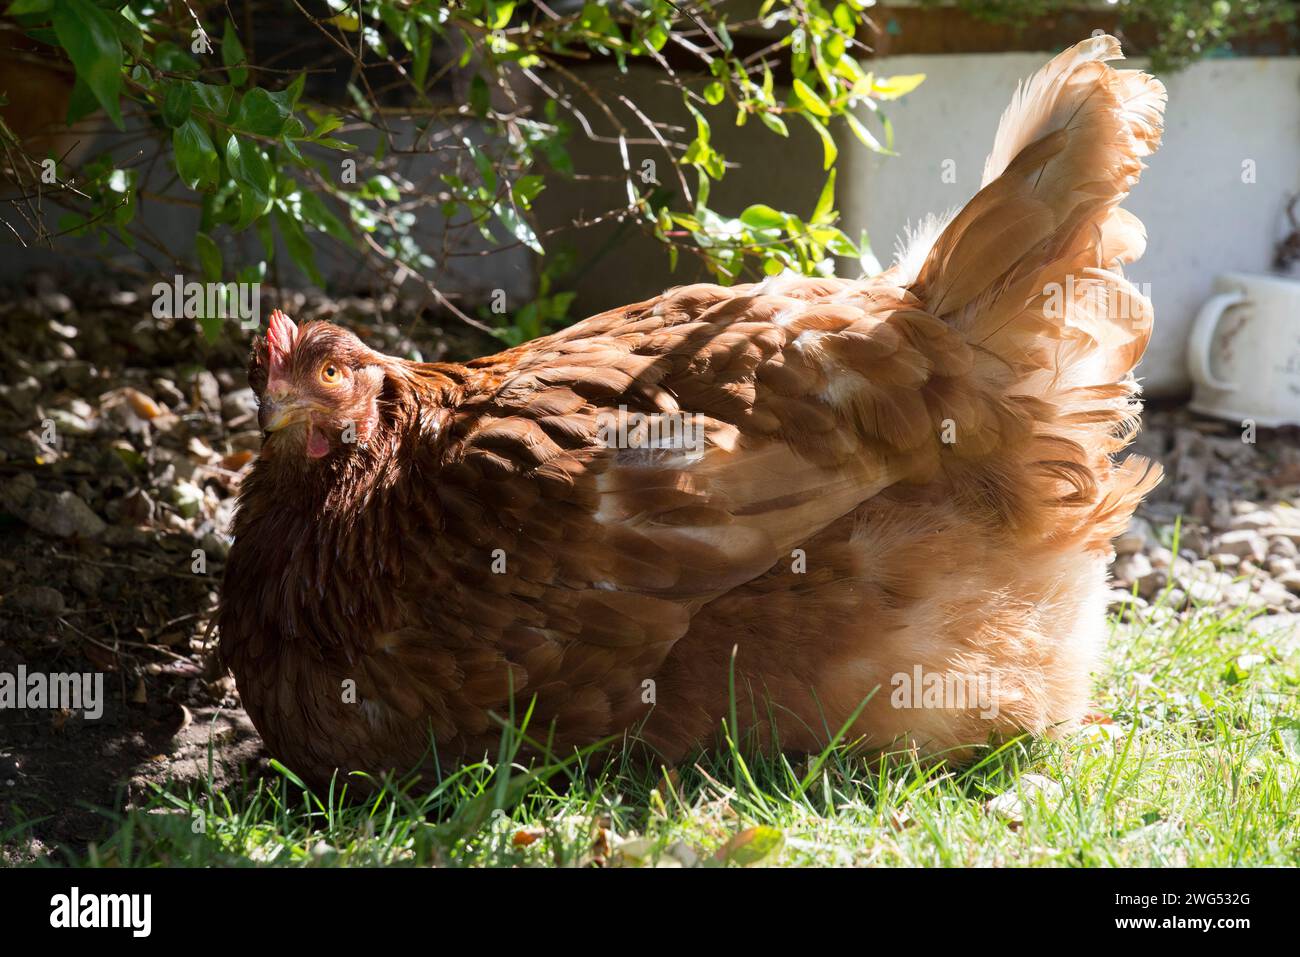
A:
{"points": [[1193, 762]]}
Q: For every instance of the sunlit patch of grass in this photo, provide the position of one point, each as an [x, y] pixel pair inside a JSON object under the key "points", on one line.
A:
{"points": [[1190, 759]]}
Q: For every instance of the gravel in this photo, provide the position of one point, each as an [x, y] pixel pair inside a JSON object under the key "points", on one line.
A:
{"points": [[123, 439], [1230, 506]]}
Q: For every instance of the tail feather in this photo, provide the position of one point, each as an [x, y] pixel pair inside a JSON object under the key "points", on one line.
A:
{"points": [[1029, 273]]}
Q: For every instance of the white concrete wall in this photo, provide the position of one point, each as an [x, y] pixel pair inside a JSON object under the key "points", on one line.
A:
{"points": [[1201, 218]]}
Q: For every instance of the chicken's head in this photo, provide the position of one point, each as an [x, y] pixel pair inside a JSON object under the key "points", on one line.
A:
{"points": [[318, 388]]}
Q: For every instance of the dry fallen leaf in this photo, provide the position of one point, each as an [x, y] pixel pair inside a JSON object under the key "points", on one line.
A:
{"points": [[752, 846], [237, 460], [141, 404], [526, 836]]}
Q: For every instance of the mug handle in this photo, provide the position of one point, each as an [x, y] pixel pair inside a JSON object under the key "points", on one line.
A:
{"points": [[1198, 348]]}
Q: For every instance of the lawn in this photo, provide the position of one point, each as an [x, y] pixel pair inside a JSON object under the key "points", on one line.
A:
{"points": [[1189, 759]]}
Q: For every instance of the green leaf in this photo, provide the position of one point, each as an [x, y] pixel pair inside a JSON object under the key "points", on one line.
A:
{"points": [[209, 256], [503, 12], [479, 98], [809, 98], [196, 157], [293, 92], [215, 99], [232, 55], [774, 123], [825, 210], [317, 214], [844, 18], [526, 189], [863, 134], [299, 246], [261, 113], [176, 103], [91, 42], [714, 93], [172, 59], [21, 8], [128, 33], [829, 149], [420, 62], [382, 187], [81, 103], [892, 87], [253, 174], [328, 125], [518, 227], [760, 216]]}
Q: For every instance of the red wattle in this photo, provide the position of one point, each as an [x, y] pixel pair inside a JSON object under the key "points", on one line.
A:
{"points": [[317, 444]]}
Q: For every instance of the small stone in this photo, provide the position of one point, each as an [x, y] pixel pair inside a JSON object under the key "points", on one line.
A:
{"points": [[1272, 594], [1137, 537], [1290, 580], [208, 389], [1244, 543], [1252, 520], [215, 546], [187, 497], [1204, 591], [119, 536], [87, 579], [21, 395], [1225, 560], [1117, 600], [37, 600], [166, 391], [67, 422], [137, 508], [15, 493], [1283, 626], [1192, 538], [64, 516], [56, 302], [1132, 568], [1283, 548], [237, 404], [1280, 566]]}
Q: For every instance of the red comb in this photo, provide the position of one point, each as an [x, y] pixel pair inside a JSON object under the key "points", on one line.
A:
{"points": [[281, 336], [281, 333]]}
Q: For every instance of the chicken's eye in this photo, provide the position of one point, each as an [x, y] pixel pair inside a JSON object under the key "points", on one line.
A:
{"points": [[330, 374]]}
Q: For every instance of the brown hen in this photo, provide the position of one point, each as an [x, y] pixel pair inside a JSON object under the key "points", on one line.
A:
{"points": [[854, 484]]}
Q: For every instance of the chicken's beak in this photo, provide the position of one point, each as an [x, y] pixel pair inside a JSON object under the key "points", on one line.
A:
{"points": [[277, 412]]}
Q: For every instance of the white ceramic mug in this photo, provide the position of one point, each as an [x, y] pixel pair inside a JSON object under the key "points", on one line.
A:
{"points": [[1244, 354]]}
